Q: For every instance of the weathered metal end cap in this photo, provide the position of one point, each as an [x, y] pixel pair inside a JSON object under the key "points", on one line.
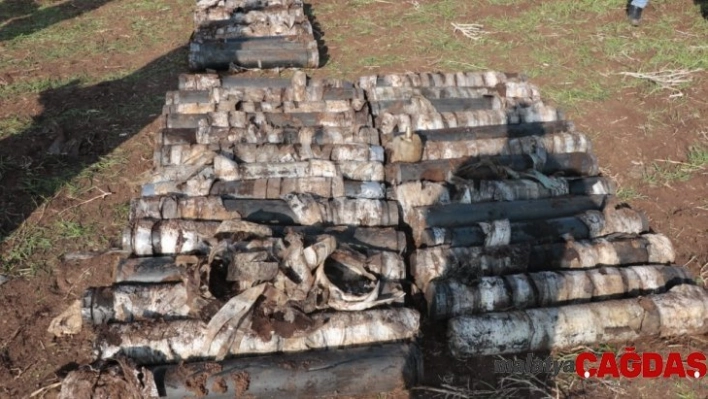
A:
{"points": [[127, 239]]}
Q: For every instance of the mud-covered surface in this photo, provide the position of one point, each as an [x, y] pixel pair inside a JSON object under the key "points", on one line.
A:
{"points": [[241, 381], [219, 385], [111, 379], [194, 378], [266, 322]]}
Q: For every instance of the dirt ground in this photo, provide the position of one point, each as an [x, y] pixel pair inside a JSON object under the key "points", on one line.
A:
{"points": [[82, 82]]}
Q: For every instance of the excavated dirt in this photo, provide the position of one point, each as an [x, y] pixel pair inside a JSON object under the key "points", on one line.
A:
{"points": [[241, 380], [286, 323], [195, 380], [105, 380], [219, 385]]}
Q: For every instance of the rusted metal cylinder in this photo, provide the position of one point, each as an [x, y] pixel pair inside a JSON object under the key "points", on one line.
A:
{"points": [[489, 132], [337, 211], [346, 372], [414, 194], [460, 79], [250, 153], [449, 298], [271, 99], [177, 340], [572, 164], [362, 171], [183, 154], [228, 170], [432, 120], [276, 188], [436, 262], [302, 119], [240, 17], [193, 236], [147, 237], [377, 238], [238, 85], [294, 28], [681, 311], [440, 105], [553, 144], [290, 107], [590, 224], [364, 189], [252, 135], [318, 96], [219, 55], [203, 81], [240, 119], [173, 207], [153, 269], [459, 215], [184, 97], [131, 302], [196, 186], [398, 94], [425, 118], [209, 12]]}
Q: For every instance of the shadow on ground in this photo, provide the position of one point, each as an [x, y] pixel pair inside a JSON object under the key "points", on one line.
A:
{"points": [[26, 17], [703, 6], [10, 9], [78, 126], [318, 33]]}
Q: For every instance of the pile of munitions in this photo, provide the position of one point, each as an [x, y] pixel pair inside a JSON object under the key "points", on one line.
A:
{"points": [[252, 34], [290, 224], [291, 216], [517, 240], [264, 230]]}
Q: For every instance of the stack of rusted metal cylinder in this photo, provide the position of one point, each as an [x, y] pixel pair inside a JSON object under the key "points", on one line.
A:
{"points": [[518, 240], [264, 229], [252, 34], [288, 215]]}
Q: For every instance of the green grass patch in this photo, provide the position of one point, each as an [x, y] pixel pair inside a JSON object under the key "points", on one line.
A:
{"points": [[697, 157], [519, 26], [20, 247], [68, 32], [668, 171], [150, 6], [121, 212], [660, 173], [447, 10], [360, 3], [375, 61], [13, 125], [629, 194], [42, 187], [573, 94], [33, 86], [685, 392], [44, 179], [107, 166], [502, 2], [68, 229]]}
